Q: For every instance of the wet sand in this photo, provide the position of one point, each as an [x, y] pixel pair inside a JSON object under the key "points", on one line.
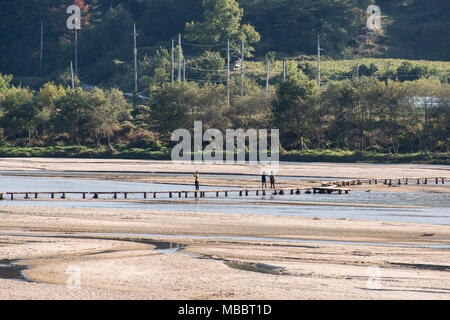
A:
{"points": [[117, 268], [53, 243]]}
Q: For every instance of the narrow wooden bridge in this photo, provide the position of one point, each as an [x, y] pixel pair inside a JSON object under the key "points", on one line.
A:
{"points": [[326, 188], [390, 181], [172, 194]]}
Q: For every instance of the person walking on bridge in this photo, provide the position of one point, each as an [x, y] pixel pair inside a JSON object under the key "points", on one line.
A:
{"points": [[197, 180], [272, 180], [263, 180]]}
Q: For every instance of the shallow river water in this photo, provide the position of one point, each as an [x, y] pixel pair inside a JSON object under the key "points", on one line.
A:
{"points": [[433, 208]]}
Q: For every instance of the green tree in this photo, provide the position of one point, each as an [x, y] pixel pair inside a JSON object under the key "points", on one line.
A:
{"points": [[174, 106], [409, 72], [109, 107], [19, 113], [155, 69], [209, 67], [48, 94], [432, 101], [295, 111], [222, 22], [5, 83], [72, 113], [252, 110]]}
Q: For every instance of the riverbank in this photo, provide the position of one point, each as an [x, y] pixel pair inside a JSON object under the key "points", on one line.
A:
{"points": [[336, 156], [117, 260], [293, 169]]}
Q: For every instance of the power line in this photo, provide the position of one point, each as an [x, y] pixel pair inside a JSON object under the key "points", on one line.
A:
{"points": [[205, 45], [205, 80], [206, 70]]}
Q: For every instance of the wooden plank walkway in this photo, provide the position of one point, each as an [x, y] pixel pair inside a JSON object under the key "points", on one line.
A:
{"points": [[390, 181], [326, 188], [172, 194]]}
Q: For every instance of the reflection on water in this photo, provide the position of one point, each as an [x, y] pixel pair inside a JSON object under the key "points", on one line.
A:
{"points": [[437, 205]]}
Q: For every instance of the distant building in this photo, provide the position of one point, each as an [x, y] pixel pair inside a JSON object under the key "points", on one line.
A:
{"points": [[235, 63], [87, 87], [422, 102]]}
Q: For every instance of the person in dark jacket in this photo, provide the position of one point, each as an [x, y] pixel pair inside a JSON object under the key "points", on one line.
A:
{"points": [[272, 181], [263, 180]]}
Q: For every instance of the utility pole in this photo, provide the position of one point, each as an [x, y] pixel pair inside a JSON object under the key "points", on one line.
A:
{"points": [[357, 71], [135, 62], [184, 70], [318, 61], [179, 57], [172, 61], [242, 67], [267, 80], [42, 47], [74, 23], [76, 51], [284, 70], [71, 71], [228, 71]]}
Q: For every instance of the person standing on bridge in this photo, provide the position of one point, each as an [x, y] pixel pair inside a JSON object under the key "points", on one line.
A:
{"points": [[272, 180], [263, 180], [197, 180]]}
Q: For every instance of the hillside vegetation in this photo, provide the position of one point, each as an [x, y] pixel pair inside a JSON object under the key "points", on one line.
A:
{"points": [[412, 29], [382, 96]]}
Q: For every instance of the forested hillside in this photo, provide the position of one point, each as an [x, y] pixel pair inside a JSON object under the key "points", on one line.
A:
{"points": [[384, 92], [412, 29]]}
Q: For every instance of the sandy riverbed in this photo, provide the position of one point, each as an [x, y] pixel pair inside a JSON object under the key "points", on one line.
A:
{"points": [[114, 269], [53, 242]]}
